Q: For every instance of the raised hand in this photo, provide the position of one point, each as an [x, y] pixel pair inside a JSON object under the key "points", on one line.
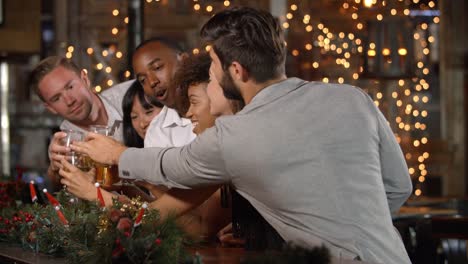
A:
{"points": [[78, 183], [57, 150], [100, 148]]}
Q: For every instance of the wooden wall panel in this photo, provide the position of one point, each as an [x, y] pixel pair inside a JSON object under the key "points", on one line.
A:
{"points": [[20, 31]]}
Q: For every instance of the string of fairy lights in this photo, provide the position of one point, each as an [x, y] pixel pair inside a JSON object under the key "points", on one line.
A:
{"points": [[409, 96]]}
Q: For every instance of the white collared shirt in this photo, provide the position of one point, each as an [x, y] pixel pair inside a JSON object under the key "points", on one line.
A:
{"points": [[168, 129]]}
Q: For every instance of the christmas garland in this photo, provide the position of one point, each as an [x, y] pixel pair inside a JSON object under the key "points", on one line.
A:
{"points": [[129, 232], [87, 232]]}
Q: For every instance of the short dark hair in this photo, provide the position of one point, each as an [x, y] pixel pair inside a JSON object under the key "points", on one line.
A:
{"points": [[251, 37], [46, 66], [130, 136], [174, 45], [193, 70]]}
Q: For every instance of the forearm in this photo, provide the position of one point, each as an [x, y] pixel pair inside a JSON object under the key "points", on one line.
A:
{"points": [[197, 164], [179, 201]]}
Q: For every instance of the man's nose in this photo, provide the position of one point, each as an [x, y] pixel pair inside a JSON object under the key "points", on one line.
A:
{"points": [[189, 113], [69, 99], [153, 80]]}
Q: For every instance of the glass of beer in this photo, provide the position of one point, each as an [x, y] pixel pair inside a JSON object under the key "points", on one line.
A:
{"points": [[81, 161], [106, 175], [72, 136]]}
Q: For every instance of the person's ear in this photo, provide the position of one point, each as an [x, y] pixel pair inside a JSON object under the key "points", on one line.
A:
{"points": [[238, 72], [49, 108], [84, 77]]}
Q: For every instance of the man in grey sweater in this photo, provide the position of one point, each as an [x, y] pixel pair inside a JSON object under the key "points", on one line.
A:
{"points": [[318, 161]]}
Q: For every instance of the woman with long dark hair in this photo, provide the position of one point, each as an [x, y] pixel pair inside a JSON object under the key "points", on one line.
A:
{"points": [[138, 111]]}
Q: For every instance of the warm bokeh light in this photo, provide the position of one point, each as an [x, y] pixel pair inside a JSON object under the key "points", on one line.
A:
{"points": [[386, 52], [417, 192]]}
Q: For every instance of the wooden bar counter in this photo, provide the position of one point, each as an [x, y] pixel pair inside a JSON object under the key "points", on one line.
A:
{"points": [[209, 255]]}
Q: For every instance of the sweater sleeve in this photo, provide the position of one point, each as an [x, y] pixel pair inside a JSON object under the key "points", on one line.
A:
{"points": [[199, 163], [395, 175]]}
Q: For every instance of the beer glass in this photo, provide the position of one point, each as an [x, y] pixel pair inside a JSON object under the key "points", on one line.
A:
{"points": [[81, 161], [106, 175], [103, 130], [72, 135]]}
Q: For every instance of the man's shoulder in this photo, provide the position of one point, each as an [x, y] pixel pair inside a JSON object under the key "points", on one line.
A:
{"points": [[112, 97], [117, 91]]}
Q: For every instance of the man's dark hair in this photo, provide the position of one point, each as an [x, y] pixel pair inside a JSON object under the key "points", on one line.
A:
{"points": [[194, 70], [130, 136], [251, 37], [164, 40], [45, 67]]}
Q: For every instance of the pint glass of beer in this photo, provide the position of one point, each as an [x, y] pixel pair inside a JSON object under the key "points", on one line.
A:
{"points": [[106, 175], [71, 156], [72, 135]]}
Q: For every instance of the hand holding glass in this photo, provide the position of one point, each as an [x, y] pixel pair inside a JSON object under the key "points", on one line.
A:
{"points": [[81, 161], [106, 175]]}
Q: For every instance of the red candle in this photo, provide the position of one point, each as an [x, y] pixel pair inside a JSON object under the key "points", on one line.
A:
{"points": [[32, 191], [51, 198], [99, 195], [61, 216], [140, 215]]}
